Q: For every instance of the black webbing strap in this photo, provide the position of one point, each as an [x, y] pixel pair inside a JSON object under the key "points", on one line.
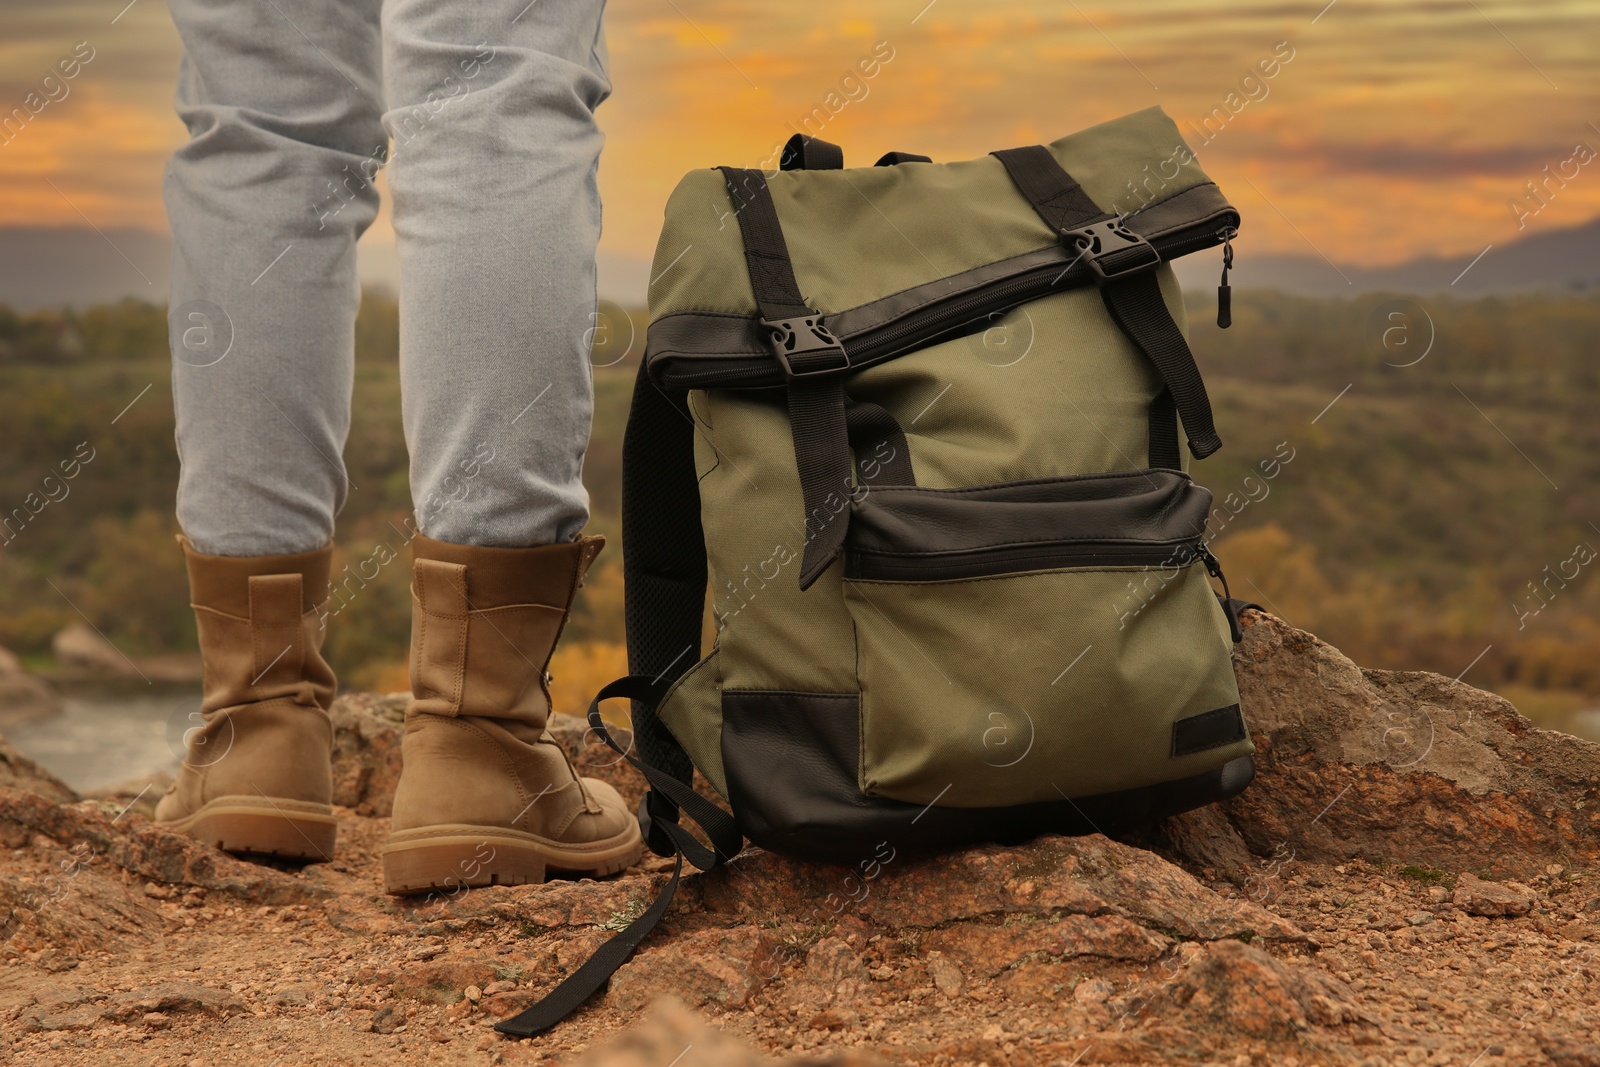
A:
{"points": [[719, 827], [816, 402], [765, 251], [894, 159], [822, 455], [1054, 194], [1164, 431], [810, 153], [664, 567], [1131, 295], [1137, 306], [879, 444]]}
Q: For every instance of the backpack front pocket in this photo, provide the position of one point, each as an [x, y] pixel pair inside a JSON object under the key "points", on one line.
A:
{"points": [[1040, 640]]}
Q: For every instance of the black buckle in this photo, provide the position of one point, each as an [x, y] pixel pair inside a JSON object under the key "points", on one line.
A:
{"points": [[805, 336], [1102, 240]]}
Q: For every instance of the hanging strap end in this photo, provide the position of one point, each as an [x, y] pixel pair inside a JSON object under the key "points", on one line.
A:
{"points": [[1203, 445]]}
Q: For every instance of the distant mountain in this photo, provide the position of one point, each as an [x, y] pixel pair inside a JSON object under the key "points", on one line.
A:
{"points": [[50, 267], [57, 265], [1560, 260], [44, 267]]}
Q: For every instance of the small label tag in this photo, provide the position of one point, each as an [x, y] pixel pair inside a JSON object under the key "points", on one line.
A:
{"points": [[1209, 729]]}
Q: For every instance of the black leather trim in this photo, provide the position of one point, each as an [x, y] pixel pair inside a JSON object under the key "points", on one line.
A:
{"points": [[887, 310], [1181, 223], [1208, 730], [1191, 207], [1124, 518], [1201, 206], [792, 760], [706, 334]]}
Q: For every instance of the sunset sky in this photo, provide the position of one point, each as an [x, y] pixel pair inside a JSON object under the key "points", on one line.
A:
{"points": [[1399, 128]]}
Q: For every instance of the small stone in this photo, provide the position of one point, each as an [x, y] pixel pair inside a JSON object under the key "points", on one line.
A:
{"points": [[1492, 899], [1093, 991], [157, 890], [1568, 1051], [1420, 918], [387, 1020], [835, 1019], [183, 997], [155, 1020], [79, 1019], [473, 993], [945, 974], [1438, 894], [292, 997], [501, 986], [425, 952]]}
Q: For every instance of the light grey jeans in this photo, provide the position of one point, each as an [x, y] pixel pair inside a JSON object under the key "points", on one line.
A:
{"points": [[292, 106]]}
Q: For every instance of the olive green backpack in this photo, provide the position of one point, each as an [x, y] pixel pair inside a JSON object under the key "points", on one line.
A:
{"points": [[916, 426]]}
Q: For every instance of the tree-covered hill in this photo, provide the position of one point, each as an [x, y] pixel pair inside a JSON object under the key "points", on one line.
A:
{"points": [[1432, 498]]}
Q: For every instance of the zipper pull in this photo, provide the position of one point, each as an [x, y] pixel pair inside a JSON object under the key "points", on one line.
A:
{"points": [[1225, 291], [1230, 606]]}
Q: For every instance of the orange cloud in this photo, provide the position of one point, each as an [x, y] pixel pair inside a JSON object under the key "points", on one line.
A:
{"points": [[85, 145], [1400, 128]]}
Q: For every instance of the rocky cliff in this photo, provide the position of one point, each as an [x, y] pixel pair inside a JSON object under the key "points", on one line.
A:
{"points": [[1412, 878]]}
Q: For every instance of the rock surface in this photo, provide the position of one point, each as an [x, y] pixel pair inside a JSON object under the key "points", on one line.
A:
{"points": [[366, 750], [24, 697], [80, 646], [1405, 767], [1477, 897], [19, 772], [1316, 919], [670, 1030]]}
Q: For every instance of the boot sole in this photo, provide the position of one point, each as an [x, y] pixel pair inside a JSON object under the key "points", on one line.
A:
{"points": [[263, 826], [457, 857]]}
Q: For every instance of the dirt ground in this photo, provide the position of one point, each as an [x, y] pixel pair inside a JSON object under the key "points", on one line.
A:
{"points": [[1349, 908], [200, 977]]}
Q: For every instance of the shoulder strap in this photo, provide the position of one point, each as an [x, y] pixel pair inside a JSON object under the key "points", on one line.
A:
{"points": [[807, 352], [720, 830], [664, 565], [1122, 261], [664, 568]]}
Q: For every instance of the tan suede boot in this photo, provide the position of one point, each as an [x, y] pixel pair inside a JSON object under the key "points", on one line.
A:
{"points": [[256, 776], [486, 796]]}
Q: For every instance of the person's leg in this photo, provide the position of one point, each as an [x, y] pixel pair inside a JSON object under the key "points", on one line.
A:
{"points": [[491, 110], [497, 217], [266, 202]]}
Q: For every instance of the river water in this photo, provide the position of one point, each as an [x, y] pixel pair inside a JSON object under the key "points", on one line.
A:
{"points": [[111, 733]]}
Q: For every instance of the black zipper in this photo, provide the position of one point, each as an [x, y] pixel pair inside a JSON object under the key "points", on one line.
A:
{"points": [[1230, 606], [923, 326], [1021, 559]]}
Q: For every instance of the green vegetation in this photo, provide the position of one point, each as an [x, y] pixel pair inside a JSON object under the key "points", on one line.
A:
{"points": [[1425, 875], [1436, 516]]}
